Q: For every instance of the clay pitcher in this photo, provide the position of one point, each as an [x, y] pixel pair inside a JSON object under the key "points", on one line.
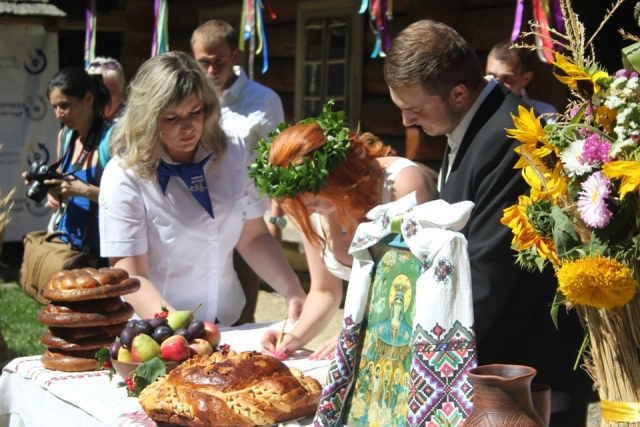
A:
{"points": [[502, 397]]}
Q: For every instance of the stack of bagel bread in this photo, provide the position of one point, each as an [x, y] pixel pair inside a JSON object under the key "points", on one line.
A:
{"points": [[85, 314]]}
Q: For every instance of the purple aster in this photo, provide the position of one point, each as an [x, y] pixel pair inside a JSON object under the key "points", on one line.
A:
{"points": [[626, 73], [595, 150], [592, 203]]}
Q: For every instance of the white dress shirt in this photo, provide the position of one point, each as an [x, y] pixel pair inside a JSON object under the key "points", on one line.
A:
{"points": [[454, 139], [250, 109], [189, 253]]}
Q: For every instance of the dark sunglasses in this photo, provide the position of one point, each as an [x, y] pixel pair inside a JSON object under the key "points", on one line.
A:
{"points": [[109, 65]]}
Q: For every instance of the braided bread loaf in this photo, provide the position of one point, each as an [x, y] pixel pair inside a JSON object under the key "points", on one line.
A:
{"points": [[89, 283], [237, 390]]}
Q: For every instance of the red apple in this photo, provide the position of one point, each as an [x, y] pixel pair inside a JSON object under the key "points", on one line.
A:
{"points": [[175, 348], [212, 334], [200, 346]]}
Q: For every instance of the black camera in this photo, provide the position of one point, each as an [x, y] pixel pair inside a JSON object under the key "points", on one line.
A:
{"points": [[39, 172]]}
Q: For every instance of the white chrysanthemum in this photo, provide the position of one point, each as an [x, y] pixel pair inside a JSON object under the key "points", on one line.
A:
{"points": [[570, 158], [632, 83]]}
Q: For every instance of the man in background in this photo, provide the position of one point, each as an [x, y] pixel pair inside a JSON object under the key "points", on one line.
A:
{"points": [[249, 110], [436, 80], [511, 67]]}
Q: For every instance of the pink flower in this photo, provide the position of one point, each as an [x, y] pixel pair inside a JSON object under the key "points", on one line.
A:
{"points": [[626, 73], [595, 150], [592, 203]]}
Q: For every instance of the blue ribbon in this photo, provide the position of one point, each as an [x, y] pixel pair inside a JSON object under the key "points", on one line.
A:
{"points": [[193, 176]]}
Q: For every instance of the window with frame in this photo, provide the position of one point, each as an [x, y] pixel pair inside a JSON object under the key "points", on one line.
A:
{"points": [[329, 46], [325, 65]]}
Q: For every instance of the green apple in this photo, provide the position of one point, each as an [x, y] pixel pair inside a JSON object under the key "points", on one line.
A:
{"points": [[144, 348]]}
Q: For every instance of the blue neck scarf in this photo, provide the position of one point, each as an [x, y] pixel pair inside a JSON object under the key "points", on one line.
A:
{"points": [[193, 176]]}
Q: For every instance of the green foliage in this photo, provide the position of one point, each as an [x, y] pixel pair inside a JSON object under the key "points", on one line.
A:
{"points": [[529, 259], [19, 321], [313, 173], [146, 373], [565, 237]]}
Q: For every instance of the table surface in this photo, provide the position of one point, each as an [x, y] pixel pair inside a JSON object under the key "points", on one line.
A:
{"points": [[31, 395]]}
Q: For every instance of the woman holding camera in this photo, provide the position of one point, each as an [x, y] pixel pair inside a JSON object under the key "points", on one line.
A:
{"points": [[79, 101], [176, 200]]}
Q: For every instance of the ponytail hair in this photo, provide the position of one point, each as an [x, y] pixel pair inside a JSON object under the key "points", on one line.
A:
{"points": [[76, 82]]}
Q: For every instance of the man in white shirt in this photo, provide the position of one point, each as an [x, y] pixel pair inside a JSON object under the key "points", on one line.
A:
{"points": [[510, 66], [249, 110]]}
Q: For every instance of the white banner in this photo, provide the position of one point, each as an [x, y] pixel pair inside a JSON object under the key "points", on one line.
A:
{"points": [[28, 127]]}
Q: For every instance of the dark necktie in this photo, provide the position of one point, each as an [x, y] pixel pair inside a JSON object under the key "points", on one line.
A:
{"points": [[193, 176]]}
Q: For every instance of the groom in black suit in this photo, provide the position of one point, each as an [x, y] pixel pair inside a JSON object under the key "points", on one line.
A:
{"points": [[435, 78]]}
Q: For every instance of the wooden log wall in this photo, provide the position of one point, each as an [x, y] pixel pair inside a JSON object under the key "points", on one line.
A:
{"points": [[481, 22]]}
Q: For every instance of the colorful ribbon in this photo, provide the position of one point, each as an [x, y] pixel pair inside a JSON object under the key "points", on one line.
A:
{"points": [[620, 411], [541, 13], [380, 12], [252, 24], [517, 22], [543, 37], [90, 33], [160, 42]]}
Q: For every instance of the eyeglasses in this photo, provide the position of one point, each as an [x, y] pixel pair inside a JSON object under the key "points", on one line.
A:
{"points": [[108, 65]]}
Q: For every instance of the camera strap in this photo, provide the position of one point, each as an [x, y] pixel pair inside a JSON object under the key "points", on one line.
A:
{"points": [[89, 146]]}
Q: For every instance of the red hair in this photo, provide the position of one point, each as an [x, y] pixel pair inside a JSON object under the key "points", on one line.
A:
{"points": [[353, 187]]}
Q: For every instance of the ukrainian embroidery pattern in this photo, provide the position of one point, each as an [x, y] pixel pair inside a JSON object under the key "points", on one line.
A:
{"points": [[443, 271], [440, 388]]}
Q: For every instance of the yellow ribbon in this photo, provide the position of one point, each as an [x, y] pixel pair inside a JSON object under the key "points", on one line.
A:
{"points": [[620, 411]]}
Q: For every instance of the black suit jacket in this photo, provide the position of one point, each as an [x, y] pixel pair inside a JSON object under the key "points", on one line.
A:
{"points": [[509, 303]]}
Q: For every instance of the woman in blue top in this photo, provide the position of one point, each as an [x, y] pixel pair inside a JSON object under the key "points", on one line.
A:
{"points": [[79, 101]]}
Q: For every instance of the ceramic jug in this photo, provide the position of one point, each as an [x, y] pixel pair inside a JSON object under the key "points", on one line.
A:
{"points": [[502, 397]]}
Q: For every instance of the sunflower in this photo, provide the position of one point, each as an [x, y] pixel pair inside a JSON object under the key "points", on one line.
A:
{"points": [[554, 187], [597, 282], [530, 132], [628, 170], [576, 77], [524, 235]]}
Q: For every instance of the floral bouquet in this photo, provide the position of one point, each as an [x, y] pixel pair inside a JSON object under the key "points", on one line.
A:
{"points": [[583, 212]]}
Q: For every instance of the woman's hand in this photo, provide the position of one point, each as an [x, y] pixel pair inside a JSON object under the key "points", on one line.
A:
{"points": [[70, 186], [295, 304], [289, 344], [52, 202], [326, 349]]}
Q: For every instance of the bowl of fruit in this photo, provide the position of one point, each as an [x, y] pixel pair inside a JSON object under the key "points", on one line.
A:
{"points": [[172, 337]]}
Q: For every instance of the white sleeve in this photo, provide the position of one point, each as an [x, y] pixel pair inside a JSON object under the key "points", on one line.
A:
{"points": [[273, 115], [123, 216]]}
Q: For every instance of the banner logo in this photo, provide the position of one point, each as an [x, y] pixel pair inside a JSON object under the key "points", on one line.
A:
{"points": [[39, 154], [35, 64], [35, 107]]}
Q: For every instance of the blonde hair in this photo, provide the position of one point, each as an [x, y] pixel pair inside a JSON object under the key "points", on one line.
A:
{"points": [[162, 82], [211, 32]]}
